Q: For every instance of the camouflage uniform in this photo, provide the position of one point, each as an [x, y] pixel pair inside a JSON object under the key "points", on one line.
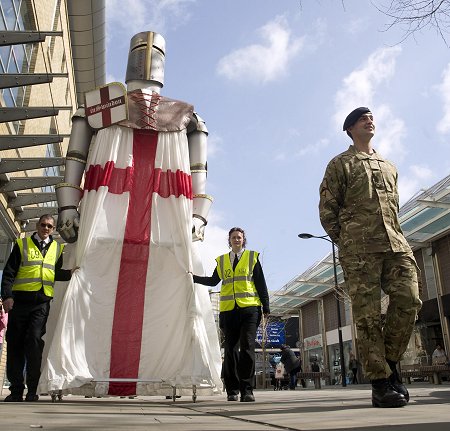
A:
{"points": [[359, 211]]}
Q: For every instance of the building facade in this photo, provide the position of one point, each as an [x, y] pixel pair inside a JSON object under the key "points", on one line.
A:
{"points": [[51, 52]]}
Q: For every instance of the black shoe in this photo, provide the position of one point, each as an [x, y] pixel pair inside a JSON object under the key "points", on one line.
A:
{"points": [[232, 398], [31, 398], [398, 386], [396, 381], [13, 398], [383, 395], [247, 398]]}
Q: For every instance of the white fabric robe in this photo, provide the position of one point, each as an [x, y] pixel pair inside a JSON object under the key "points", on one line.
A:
{"points": [[178, 346]]}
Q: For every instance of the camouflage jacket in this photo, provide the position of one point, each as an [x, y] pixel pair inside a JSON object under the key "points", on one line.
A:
{"points": [[359, 204]]}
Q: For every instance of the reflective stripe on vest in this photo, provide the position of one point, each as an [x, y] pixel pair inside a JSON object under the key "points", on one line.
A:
{"points": [[237, 285], [36, 271]]}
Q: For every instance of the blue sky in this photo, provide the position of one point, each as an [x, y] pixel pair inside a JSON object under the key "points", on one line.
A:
{"points": [[274, 80]]}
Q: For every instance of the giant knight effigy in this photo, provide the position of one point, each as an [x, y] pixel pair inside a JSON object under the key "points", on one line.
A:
{"points": [[133, 201]]}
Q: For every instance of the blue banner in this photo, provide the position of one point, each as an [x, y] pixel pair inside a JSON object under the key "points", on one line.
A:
{"points": [[275, 334]]}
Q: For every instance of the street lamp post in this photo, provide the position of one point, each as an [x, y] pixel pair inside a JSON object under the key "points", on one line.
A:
{"points": [[336, 287]]}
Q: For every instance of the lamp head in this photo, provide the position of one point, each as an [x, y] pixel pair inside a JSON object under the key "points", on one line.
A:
{"points": [[305, 235]]}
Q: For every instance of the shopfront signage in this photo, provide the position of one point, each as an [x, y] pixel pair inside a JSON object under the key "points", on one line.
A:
{"points": [[314, 342]]}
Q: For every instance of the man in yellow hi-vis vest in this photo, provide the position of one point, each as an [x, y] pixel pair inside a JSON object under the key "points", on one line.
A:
{"points": [[33, 266], [242, 294]]}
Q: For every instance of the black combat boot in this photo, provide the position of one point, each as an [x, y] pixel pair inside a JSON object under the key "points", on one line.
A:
{"points": [[396, 381], [383, 395]]}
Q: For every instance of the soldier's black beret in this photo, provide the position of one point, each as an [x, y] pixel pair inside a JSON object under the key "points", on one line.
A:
{"points": [[352, 118]]}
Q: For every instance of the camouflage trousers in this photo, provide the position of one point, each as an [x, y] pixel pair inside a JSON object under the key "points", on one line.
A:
{"points": [[366, 276]]}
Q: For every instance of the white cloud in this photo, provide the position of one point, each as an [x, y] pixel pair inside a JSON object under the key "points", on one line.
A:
{"points": [[356, 26], [312, 41], [298, 151], [360, 88], [313, 149], [411, 183], [264, 62], [215, 146], [444, 124], [131, 16], [390, 133], [111, 78]]}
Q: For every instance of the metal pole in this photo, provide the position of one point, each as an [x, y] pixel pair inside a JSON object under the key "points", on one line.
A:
{"points": [[341, 343], [336, 287]]}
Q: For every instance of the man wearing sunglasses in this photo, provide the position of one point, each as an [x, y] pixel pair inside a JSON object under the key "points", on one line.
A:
{"points": [[33, 266]]}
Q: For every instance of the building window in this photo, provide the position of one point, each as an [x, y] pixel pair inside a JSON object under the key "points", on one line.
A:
{"points": [[14, 16]]}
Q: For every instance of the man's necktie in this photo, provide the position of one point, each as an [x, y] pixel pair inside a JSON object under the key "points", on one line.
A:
{"points": [[42, 248], [235, 262]]}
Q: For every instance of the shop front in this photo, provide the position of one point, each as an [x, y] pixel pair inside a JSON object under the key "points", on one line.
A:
{"points": [[313, 353]]}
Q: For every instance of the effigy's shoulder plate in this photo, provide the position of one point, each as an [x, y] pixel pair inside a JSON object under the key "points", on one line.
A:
{"points": [[106, 105]]}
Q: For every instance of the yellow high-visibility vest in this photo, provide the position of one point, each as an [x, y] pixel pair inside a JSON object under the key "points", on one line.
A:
{"points": [[238, 286], [35, 270]]}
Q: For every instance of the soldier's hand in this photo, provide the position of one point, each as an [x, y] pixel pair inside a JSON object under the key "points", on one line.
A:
{"points": [[68, 223]]}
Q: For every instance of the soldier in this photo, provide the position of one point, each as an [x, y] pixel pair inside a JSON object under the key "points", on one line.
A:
{"points": [[359, 211]]}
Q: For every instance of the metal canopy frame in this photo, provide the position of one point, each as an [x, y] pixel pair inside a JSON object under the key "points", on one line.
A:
{"points": [[31, 196], [29, 163], [11, 80], [24, 199], [13, 37], [29, 112], [11, 142], [24, 183]]}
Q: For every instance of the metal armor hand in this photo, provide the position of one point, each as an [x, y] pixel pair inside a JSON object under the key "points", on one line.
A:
{"points": [[198, 229], [68, 223]]}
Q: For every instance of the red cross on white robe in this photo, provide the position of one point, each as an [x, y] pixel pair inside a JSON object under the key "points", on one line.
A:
{"points": [[141, 180]]}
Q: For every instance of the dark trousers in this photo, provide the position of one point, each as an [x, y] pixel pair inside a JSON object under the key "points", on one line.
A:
{"points": [[26, 327], [293, 377], [239, 327]]}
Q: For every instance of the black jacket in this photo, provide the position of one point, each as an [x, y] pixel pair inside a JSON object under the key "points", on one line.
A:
{"points": [[289, 360]]}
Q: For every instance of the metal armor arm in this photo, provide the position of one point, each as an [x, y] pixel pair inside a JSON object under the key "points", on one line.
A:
{"points": [[69, 193], [197, 139]]}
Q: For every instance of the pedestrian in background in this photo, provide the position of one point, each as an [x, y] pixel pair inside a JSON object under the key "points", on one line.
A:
{"points": [[353, 367], [242, 294], [279, 376], [439, 357], [292, 365], [315, 367], [35, 263], [359, 211]]}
